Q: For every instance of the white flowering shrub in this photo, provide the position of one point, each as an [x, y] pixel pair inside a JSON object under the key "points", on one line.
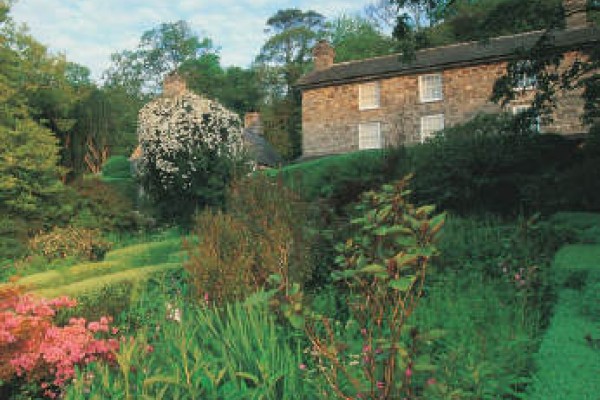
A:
{"points": [[189, 146]]}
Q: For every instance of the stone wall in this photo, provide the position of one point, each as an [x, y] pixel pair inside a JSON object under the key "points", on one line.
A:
{"points": [[331, 115]]}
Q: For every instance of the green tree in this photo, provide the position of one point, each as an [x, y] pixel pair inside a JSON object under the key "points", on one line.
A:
{"points": [[30, 191], [161, 50], [284, 57], [542, 61], [355, 38], [293, 35]]}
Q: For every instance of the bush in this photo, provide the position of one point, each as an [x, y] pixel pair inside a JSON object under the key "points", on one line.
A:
{"points": [[101, 206], [339, 180], [190, 147], [264, 232], [70, 242], [33, 347], [484, 166], [117, 167]]}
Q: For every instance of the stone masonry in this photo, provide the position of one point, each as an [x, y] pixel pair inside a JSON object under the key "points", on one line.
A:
{"points": [[330, 94], [331, 115]]}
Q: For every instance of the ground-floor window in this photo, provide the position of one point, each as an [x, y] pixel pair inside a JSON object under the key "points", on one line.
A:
{"points": [[430, 124], [369, 136]]}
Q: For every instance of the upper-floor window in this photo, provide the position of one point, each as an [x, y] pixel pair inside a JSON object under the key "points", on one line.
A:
{"points": [[368, 96], [526, 78], [430, 124], [430, 88], [369, 136]]}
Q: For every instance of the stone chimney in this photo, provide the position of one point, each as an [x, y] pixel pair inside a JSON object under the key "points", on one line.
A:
{"points": [[575, 13], [323, 55], [174, 85], [251, 119]]}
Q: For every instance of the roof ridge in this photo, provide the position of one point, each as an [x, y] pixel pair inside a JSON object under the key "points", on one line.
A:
{"points": [[514, 35]]}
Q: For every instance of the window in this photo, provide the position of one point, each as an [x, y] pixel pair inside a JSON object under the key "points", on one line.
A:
{"points": [[430, 88], [369, 136], [430, 124], [526, 79], [368, 96], [535, 119]]}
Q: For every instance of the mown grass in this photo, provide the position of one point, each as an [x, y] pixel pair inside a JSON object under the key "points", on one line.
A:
{"points": [[98, 282], [569, 357]]}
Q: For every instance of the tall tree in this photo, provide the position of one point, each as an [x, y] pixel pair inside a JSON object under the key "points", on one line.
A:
{"points": [[161, 50], [293, 35], [29, 186], [284, 57], [356, 37]]}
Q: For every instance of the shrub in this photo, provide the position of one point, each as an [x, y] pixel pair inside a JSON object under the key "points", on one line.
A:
{"points": [[69, 242], [190, 146], [32, 346], [384, 266], [101, 206], [264, 232], [117, 167], [484, 166], [221, 263]]}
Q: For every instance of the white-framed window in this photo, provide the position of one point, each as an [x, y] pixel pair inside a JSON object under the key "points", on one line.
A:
{"points": [[535, 123], [368, 96], [431, 88], [430, 124], [526, 80], [369, 136]]}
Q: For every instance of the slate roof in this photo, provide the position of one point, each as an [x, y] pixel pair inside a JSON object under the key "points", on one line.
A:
{"points": [[438, 58], [260, 149]]}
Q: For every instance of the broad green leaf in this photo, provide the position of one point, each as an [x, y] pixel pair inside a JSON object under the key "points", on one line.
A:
{"points": [[373, 269], [406, 259], [402, 284], [297, 321]]}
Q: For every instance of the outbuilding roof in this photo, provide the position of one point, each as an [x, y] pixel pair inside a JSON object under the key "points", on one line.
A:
{"points": [[438, 58]]}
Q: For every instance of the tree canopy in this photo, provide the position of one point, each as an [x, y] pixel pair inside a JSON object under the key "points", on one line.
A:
{"points": [[161, 50]]}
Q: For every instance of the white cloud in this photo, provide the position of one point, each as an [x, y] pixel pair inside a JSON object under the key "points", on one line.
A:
{"points": [[88, 31]]}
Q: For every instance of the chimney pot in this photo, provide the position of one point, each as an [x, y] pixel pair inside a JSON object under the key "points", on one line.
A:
{"points": [[323, 55], [174, 85]]}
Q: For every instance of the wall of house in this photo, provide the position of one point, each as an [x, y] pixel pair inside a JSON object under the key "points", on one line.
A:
{"points": [[331, 115]]}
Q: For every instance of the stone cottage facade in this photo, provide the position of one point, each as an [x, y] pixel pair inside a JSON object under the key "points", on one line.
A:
{"points": [[383, 101]]}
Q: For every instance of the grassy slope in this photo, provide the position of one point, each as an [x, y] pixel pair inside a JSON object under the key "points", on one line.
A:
{"points": [[568, 363], [126, 265]]}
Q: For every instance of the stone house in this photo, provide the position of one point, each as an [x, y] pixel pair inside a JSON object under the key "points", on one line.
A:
{"points": [[383, 101]]}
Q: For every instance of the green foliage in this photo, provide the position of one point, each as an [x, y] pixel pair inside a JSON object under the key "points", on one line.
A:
{"points": [[234, 352], [161, 50], [105, 206], [28, 171], [485, 166], [263, 232], [355, 38], [384, 267], [567, 362], [339, 180], [489, 338]]}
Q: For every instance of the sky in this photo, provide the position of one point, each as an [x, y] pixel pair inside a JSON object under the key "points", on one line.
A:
{"points": [[88, 31]]}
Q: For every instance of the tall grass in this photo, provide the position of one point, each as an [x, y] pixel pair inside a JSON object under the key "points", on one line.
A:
{"points": [[236, 352]]}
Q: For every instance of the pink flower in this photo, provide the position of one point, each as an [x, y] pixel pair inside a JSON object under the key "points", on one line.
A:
{"points": [[380, 385], [302, 367], [408, 372], [431, 381]]}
